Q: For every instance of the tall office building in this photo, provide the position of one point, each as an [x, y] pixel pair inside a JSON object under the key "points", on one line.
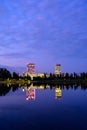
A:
{"points": [[58, 69], [31, 68]]}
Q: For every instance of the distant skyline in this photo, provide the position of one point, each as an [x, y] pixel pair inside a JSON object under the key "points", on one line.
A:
{"points": [[44, 32]]}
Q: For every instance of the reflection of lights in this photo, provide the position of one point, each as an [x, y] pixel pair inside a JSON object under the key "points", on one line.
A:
{"points": [[19, 85], [58, 93], [23, 89], [26, 98], [30, 94], [7, 85], [47, 86], [64, 86], [41, 87]]}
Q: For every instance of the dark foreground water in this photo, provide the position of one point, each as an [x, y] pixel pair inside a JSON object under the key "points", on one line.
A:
{"points": [[39, 108]]}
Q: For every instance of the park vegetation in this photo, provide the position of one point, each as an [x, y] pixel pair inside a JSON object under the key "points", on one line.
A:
{"points": [[7, 77]]}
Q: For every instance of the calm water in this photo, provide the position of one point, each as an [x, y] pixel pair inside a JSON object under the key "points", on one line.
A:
{"points": [[43, 108]]}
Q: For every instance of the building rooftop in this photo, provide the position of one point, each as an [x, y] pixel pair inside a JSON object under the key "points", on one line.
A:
{"points": [[58, 64]]}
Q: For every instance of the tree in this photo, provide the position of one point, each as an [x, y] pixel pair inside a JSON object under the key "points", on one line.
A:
{"points": [[15, 75], [4, 73]]}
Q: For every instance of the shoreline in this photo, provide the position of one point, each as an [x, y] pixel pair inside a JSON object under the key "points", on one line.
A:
{"points": [[59, 81]]}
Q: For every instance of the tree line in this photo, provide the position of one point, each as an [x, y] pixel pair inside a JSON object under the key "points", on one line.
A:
{"points": [[5, 74]]}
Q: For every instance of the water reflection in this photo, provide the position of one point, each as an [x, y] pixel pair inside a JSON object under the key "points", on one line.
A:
{"points": [[30, 89], [46, 112], [30, 93], [58, 92]]}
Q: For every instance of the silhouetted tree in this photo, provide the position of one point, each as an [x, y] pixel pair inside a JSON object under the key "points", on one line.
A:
{"points": [[66, 75], [4, 73], [15, 75]]}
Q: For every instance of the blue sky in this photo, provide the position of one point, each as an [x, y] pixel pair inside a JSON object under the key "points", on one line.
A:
{"points": [[44, 32]]}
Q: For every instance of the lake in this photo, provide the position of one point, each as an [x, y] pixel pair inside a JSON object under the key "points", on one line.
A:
{"points": [[43, 107]]}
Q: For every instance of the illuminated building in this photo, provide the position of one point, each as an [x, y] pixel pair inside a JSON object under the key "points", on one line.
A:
{"points": [[33, 75], [58, 69], [58, 93], [31, 68]]}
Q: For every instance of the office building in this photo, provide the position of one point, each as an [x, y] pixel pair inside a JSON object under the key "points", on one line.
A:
{"points": [[31, 68], [58, 69]]}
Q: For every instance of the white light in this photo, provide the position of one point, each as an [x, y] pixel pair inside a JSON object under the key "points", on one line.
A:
{"points": [[23, 89]]}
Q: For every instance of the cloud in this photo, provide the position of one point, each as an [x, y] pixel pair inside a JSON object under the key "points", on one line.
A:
{"points": [[37, 29]]}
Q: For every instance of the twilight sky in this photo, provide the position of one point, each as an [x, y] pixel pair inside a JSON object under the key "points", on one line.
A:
{"points": [[44, 32]]}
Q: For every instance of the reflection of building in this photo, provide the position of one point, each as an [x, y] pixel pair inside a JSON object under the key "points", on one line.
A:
{"points": [[57, 69], [31, 91], [40, 87], [30, 94], [58, 93], [31, 68], [37, 87]]}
